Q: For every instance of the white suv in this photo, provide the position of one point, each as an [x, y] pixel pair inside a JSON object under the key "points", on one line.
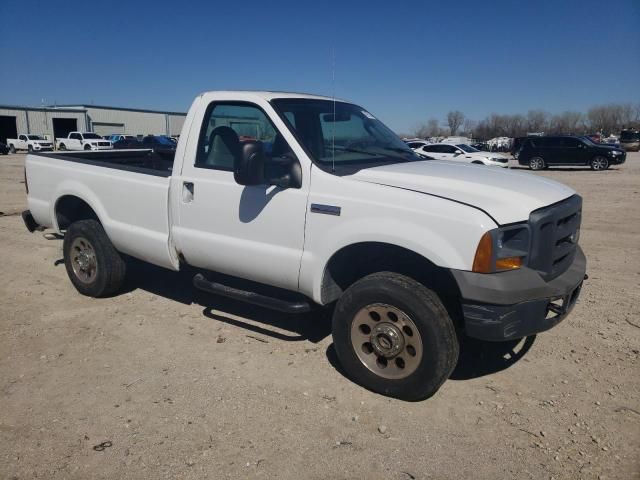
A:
{"points": [[462, 153]]}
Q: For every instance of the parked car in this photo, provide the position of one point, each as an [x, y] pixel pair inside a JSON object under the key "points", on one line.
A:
{"points": [[416, 144], [127, 141], [31, 143], [543, 152], [4, 150], [160, 144], [325, 205], [83, 141], [630, 140], [464, 154]]}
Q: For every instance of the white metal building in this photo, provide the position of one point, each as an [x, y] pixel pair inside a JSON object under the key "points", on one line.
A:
{"points": [[58, 121]]}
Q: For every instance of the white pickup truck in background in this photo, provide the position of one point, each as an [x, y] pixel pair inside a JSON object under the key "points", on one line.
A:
{"points": [[31, 143], [314, 200], [83, 141]]}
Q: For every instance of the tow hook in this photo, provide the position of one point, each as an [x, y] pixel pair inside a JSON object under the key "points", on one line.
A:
{"points": [[586, 277]]}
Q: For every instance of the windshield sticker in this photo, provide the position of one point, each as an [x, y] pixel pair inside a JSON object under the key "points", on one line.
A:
{"points": [[368, 115]]}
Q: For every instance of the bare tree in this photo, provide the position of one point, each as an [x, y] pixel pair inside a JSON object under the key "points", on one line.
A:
{"points": [[537, 121], [567, 122], [454, 120]]}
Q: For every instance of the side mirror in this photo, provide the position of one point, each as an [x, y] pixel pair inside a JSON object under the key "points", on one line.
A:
{"points": [[249, 168], [458, 152], [284, 171]]}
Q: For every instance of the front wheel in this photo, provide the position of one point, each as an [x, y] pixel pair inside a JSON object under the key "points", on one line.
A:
{"points": [[599, 163], [393, 336], [62, 146], [477, 162], [87, 147], [93, 264]]}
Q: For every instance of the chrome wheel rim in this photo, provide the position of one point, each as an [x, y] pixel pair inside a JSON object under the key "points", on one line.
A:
{"points": [[386, 341], [599, 163], [83, 260], [537, 163]]}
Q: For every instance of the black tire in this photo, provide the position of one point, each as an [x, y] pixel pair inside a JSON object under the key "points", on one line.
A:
{"points": [[437, 336], [62, 146], [87, 147], [12, 149], [537, 163], [477, 162], [110, 268], [599, 163], [29, 148]]}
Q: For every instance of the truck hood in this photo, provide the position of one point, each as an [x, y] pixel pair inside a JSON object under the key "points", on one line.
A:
{"points": [[505, 195]]}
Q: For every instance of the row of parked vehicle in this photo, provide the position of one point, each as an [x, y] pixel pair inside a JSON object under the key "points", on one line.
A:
{"points": [[161, 144], [536, 152]]}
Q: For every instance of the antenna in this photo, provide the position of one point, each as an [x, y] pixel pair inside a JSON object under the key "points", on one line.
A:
{"points": [[333, 129]]}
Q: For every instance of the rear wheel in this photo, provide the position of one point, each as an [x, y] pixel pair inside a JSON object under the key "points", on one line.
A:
{"points": [[599, 163], [536, 163], [93, 264], [12, 149], [393, 336], [29, 148]]}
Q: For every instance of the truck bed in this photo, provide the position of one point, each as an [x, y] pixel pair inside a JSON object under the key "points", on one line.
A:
{"points": [[139, 161]]}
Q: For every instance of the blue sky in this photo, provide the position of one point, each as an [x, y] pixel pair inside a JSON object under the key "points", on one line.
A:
{"points": [[405, 61]]}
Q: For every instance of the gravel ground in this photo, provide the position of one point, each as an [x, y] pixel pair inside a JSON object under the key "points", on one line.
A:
{"points": [[182, 385]]}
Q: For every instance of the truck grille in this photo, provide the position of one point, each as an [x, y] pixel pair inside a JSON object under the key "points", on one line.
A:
{"points": [[103, 144], [554, 236]]}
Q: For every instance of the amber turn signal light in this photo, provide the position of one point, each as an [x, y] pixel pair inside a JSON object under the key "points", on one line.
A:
{"points": [[508, 263], [484, 252]]}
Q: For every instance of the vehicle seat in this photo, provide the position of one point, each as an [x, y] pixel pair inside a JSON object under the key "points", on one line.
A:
{"points": [[224, 148]]}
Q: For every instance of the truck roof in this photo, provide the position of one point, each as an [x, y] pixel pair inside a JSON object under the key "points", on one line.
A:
{"points": [[268, 95]]}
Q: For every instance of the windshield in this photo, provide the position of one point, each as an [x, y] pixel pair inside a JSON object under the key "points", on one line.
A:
{"points": [[588, 140], [467, 148], [34, 137], [349, 137], [88, 136]]}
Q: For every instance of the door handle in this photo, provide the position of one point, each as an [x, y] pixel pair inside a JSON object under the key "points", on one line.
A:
{"points": [[187, 192]]}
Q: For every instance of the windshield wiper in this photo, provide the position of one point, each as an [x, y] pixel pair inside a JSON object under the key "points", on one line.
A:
{"points": [[355, 150]]}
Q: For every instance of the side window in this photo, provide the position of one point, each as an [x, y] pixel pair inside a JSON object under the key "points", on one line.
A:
{"points": [[227, 127], [570, 142], [433, 148], [448, 149], [75, 136], [554, 142]]}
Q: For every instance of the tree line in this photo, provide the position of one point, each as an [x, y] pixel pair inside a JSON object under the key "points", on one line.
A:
{"points": [[605, 119]]}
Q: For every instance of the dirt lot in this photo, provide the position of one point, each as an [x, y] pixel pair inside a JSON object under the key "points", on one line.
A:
{"points": [[183, 385]]}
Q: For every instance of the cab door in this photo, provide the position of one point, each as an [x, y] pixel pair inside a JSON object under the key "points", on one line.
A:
{"points": [[253, 232]]}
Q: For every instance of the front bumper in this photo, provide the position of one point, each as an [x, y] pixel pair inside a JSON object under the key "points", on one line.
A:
{"points": [[517, 303]]}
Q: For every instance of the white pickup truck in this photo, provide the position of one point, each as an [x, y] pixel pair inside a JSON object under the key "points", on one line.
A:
{"points": [[31, 143], [315, 201], [83, 141]]}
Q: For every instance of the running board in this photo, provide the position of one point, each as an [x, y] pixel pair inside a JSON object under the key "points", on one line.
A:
{"points": [[286, 306]]}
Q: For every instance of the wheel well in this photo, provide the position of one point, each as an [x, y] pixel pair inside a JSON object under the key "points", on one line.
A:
{"points": [[70, 209], [353, 262]]}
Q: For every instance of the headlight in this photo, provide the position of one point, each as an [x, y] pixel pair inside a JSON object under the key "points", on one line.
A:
{"points": [[614, 153], [502, 249]]}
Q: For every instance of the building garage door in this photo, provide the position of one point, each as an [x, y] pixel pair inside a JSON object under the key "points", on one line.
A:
{"points": [[8, 128], [62, 127], [107, 128]]}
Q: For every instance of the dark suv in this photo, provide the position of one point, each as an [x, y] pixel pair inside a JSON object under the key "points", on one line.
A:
{"points": [[543, 152]]}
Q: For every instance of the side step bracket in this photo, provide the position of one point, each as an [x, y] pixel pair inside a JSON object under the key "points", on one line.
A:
{"points": [[286, 306]]}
